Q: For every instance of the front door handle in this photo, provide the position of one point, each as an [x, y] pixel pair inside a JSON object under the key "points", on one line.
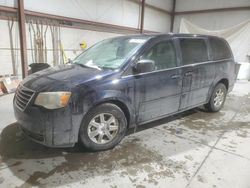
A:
{"points": [[175, 76], [189, 73]]}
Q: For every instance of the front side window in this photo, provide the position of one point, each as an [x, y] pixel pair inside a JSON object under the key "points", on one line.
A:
{"points": [[193, 51], [220, 50], [110, 53], [163, 54]]}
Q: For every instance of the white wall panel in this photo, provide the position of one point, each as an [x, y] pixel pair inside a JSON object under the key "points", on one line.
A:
{"points": [[5, 64], [156, 21], [5, 54], [163, 4], [82, 9], [71, 39], [215, 20], [186, 5], [118, 12], [4, 33], [8, 3]]}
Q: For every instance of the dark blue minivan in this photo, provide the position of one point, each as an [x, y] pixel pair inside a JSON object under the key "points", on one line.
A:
{"points": [[123, 82]]}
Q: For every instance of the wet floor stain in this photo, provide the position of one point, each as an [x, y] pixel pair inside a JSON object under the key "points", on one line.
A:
{"points": [[203, 122], [201, 179], [1, 180], [242, 133], [37, 165], [131, 156]]}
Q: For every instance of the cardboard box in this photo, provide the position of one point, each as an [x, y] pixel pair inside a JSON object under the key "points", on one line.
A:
{"points": [[1, 89], [9, 84]]}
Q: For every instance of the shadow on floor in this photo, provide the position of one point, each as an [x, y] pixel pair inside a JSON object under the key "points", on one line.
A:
{"points": [[14, 144], [33, 162]]}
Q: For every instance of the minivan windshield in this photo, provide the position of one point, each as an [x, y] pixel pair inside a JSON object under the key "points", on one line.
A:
{"points": [[110, 53]]}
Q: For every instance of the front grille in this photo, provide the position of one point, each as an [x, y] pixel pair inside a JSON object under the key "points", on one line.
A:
{"points": [[23, 96]]}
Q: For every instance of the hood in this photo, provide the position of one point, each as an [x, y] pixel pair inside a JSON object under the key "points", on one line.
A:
{"points": [[63, 77]]}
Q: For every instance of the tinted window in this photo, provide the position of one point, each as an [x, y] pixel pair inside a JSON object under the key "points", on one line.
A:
{"points": [[220, 49], [163, 54], [193, 51]]}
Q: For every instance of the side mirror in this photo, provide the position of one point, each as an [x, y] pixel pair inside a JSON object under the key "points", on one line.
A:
{"points": [[144, 65]]}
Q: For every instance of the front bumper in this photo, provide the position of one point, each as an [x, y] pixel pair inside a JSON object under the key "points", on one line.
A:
{"points": [[52, 128]]}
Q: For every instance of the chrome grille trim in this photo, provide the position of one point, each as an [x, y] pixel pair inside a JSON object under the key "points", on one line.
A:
{"points": [[23, 96]]}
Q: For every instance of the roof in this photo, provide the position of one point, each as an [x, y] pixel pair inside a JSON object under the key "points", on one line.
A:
{"points": [[156, 35], [180, 35]]}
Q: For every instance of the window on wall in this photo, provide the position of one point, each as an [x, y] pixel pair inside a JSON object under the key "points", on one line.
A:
{"points": [[220, 49], [163, 54], [193, 51]]}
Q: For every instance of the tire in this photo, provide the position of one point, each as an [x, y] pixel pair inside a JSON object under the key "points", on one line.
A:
{"points": [[217, 98], [103, 127]]}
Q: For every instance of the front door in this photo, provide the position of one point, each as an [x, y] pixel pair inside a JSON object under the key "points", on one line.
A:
{"points": [[158, 92]]}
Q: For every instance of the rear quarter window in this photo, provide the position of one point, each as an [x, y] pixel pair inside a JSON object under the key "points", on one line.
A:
{"points": [[193, 51], [220, 49]]}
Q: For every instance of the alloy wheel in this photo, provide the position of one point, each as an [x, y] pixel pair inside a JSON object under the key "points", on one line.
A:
{"points": [[103, 128], [219, 98]]}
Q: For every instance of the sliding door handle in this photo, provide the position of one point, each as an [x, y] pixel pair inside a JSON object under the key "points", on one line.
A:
{"points": [[175, 76]]}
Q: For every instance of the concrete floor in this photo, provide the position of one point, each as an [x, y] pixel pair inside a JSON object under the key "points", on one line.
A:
{"points": [[193, 149]]}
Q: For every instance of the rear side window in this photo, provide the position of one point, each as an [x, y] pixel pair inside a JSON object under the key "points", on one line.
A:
{"points": [[220, 49], [193, 51]]}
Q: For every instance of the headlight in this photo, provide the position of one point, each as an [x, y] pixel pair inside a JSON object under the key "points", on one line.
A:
{"points": [[53, 100]]}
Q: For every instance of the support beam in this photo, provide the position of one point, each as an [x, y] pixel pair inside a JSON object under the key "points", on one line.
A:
{"points": [[8, 12], [22, 36], [75, 22], [81, 21], [7, 9], [213, 10], [142, 15], [172, 16]]}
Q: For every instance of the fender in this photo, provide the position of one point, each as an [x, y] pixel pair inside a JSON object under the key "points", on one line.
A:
{"points": [[92, 98], [115, 96], [215, 82]]}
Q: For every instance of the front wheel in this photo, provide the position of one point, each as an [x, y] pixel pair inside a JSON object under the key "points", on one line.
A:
{"points": [[217, 99], [103, 127]]}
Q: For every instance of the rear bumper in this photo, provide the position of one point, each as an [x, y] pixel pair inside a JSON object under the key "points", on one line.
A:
{"points": [[52, 128]]}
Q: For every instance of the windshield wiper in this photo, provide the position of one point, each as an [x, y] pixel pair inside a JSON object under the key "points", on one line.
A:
{"points": [[82, 65], [106, 67], [87, 66]]}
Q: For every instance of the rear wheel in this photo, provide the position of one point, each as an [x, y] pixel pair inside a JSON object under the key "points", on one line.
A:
{"points": [[217, 99], [103, 127]]}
